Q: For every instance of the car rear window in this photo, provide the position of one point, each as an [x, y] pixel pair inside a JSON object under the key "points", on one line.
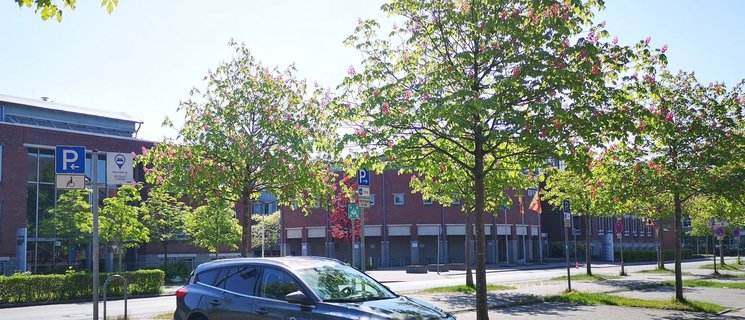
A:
{"points": [[241, 279], [211, 277]]}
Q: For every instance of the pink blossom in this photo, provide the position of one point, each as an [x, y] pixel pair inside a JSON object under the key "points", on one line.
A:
{"points": [[376, 92], [647, 40], [134, 155], [407, 95], [663, 49], [159, 179], [144, 151], [669, 116], [386, 108], [288, 116], [359, 20], [595, 69], [516, 71], [615, 40], [351, 71]]}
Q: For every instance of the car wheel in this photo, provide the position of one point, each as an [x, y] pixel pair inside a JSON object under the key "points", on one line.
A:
{"points": [[197, 317]]}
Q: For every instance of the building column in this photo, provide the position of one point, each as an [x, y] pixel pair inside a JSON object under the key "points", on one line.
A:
{"points": [[330, 249], [385, 253], [304, 249]]}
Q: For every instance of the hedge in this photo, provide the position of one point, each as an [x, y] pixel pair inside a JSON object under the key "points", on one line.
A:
{"points": [[26, 288], [650, 255]]}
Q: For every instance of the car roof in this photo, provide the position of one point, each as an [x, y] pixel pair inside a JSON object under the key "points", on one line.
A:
{"points": [[290, 262]]}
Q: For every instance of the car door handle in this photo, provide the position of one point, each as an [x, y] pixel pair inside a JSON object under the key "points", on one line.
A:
{"points": [[215, 302], [262, 311]]}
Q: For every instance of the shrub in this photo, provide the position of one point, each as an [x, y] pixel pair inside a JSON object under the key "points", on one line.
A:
{"points": [[27, 288], [650, 255]]}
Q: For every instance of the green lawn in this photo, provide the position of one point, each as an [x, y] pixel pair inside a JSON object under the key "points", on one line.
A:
{"points": [[663, 271], [466, 289], [606, 299], [724, 267], [708, 284], [585, 277]]}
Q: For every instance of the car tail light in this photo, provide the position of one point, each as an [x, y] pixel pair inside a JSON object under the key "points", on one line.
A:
{"points": [[181, 292]]}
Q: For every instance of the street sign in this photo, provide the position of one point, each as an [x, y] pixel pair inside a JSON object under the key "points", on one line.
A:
{"points": [[567, 214], [720, 233], [619, 227], [649, 222], [567, 208], [363, 177], [70, 181], [736, 232], [353, 211], [364, 203], [119, 168], [363, 191], [69, 160]]}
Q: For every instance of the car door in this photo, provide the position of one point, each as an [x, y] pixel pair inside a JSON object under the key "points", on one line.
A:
{"points": [[270, 302], [238, 296]]}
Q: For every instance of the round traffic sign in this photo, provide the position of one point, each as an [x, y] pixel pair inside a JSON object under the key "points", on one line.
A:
{"points": [[736, 232], [619, 226], [720, 232]]}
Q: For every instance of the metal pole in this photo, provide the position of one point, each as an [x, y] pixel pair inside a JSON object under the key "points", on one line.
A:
{"points": [[525, 233], [540, 240], [354, 240], [362, 240], [439, 231], [506, 239], [94, 207], [714, 251], [566, 256], [263, 228], [623, 271]]}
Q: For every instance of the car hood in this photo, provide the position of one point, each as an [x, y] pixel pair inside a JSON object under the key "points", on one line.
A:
{"points": [[399, 308]]}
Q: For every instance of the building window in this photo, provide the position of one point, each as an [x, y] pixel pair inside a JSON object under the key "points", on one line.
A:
{"points": [[427, 200], [398, 199], [372, 199]]}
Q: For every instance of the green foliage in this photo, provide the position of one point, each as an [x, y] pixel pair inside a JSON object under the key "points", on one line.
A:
{"points": [[26, 288], [52, 8], [651, 255], [708, 284], [163, 215], [71, 218], [120, 219], [271, 231], [724, 267], [251, 130], [607, 299], [177, 272], [214, 225]]}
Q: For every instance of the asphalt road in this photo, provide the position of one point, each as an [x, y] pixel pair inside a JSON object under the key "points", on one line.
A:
{"points": [[397, 280]]}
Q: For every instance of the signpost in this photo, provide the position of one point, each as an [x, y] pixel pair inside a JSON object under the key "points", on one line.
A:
{"points": [[119, 168], [363, 183], [567, 225], [619, 234], [736, 233]]}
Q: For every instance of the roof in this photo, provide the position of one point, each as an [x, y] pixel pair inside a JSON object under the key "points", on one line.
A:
{"points": [[69, 108], [289, 262]]}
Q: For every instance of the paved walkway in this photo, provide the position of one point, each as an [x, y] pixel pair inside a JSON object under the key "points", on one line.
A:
{"points": [[526, 300]]}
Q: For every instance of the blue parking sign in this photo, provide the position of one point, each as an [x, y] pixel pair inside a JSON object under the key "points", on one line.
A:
{"points": [[69, 160], [363, 177]]}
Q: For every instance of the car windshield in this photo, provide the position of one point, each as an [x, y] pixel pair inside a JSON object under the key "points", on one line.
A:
{"points": [[341, 283]]}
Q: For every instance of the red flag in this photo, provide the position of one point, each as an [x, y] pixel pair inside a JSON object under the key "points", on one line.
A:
{"points": [[535, 204]]}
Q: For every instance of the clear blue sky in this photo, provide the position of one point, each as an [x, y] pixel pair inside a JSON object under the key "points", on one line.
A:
{"points": [[147, 55]]}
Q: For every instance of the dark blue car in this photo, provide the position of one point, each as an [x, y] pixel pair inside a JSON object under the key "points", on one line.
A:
{"points": [[292, 288]]}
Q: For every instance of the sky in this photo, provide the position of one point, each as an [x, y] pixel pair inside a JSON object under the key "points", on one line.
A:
{"points": [[147, 55]]}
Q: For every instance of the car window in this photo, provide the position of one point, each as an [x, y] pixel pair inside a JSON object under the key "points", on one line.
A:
{"points": [[343, 284], [276, 284], [241, 279], [213, 277]]}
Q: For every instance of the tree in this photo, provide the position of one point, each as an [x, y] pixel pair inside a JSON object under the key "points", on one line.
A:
{"points": [[488, 87], [214, 225], [120, 220], [271, 229], [253, 129], [688, 131], [52, 8], [341, 226], [706, 211], [71, 218], [163, 216]]}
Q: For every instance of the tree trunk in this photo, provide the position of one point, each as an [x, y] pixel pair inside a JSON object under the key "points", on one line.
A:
{"points": [[588, 233], [721, 253], [661, 252], [482, 310], [469, 238], [678, 244]]}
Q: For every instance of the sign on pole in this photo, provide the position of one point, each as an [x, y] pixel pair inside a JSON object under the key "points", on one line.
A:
{"points": [[619, 228], [353, 211], [119, 168], [567, 214], [70, 181], [363, 177], [736, 232], [720, 233], [69, 160]]}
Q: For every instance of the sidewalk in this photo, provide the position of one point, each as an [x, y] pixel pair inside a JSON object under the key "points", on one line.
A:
{"points": [[635, 285]]}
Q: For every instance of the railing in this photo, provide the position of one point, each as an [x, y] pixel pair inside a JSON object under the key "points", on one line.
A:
{"points": [[106, 285]]}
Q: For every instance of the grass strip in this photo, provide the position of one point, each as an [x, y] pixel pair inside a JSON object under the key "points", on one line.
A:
{"points": [[606, 299], [708, 284], [465, 289], [664, 271], [593, 277], [724, 267]]}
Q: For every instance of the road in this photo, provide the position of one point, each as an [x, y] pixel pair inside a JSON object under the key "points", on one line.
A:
{"points": [[397, 280]]}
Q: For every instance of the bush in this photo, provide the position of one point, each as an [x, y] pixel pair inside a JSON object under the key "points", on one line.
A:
{"points": [[27, 288], [650, 255], [177, 272]]}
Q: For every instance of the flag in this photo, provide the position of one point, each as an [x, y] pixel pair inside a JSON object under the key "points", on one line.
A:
{"points": [[520, 201], [535, 204]]}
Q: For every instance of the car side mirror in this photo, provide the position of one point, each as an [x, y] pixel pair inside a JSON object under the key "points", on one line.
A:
{"points": [[298, 297]]}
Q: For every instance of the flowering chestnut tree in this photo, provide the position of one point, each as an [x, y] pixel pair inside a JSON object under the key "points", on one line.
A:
{"points": [[688, 132], [252, 129], [490, 87]]}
